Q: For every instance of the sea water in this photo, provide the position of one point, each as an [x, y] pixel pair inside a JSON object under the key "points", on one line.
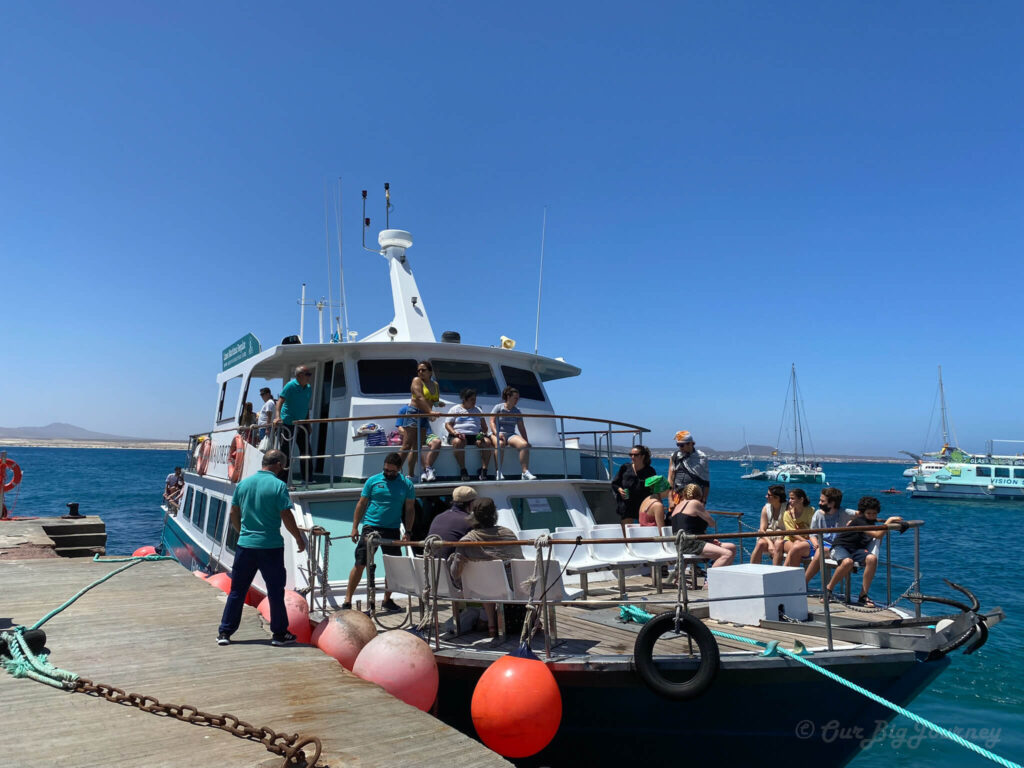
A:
{"points": [[972, 543]]}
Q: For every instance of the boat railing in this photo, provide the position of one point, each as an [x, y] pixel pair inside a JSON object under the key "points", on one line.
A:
{"points": [[326, 466], [319, 553]]}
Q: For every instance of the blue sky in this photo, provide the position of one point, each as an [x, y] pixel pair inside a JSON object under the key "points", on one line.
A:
{"points": [[731, 187]]}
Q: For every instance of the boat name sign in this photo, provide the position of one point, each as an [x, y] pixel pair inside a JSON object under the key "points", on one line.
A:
{"points": [[243, 349]]}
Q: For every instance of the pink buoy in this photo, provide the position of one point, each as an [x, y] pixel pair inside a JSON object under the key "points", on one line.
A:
{"points": [[403, 665], [298, 614], [200, 575], [143, 551], [254, 597], [343, 635], [221, 581]]}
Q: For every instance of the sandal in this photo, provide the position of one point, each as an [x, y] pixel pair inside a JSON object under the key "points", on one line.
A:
{"points": [[866, 601]]}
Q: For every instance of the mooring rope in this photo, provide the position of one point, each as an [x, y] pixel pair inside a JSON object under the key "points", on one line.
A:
{"points": [[642, 617]]}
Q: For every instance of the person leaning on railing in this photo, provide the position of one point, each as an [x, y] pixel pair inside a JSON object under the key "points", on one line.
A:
{"points": [[851, 547]]}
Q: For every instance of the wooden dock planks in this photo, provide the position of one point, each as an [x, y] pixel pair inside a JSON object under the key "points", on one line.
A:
{"points": [[151, 630]]}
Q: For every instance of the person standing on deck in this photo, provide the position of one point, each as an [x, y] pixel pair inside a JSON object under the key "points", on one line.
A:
{"points": [[388, 499], [259, 506], [266, 412], [292, 406], [688, 465], [628, 485]]}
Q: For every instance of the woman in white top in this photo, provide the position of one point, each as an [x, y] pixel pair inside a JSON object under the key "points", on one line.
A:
{"points": [[771, 520], [505, 419], [465, 425]]}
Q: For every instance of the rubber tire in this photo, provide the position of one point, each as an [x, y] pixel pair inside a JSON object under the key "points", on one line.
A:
{"points": [[643, 656]]}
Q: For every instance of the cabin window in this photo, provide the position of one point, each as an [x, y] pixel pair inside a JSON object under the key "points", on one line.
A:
{"points": [[983, 471], [523, 380], [186, 507], [540, 512], [215, 518], [338, 388], [453, 376], [1019, 474], [198, 509], [1002, 471], [386, 377], [232, 537], [602, 506], [229, 392]]}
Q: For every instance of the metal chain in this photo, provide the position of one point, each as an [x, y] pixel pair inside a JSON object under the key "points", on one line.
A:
{"points": [[289, 747]]}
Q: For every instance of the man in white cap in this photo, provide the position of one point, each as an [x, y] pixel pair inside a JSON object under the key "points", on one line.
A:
{"points": [[688, 465], [454, 523]]}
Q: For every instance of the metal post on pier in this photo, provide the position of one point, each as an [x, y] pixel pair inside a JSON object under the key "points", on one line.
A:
{"points": [[917, 569]]}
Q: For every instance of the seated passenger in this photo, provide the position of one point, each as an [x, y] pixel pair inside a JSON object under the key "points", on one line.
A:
{"points": [[851, 547], [796, 546], [503, 429], [690, 516], [830, 514], [465, 425], [652, 509], [453, 523], [483, 516], [173, 486], [771, 520]]}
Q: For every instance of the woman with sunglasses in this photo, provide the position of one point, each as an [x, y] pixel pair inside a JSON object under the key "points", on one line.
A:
{"points": [[628, 485], [771, 520], [424, 395]]}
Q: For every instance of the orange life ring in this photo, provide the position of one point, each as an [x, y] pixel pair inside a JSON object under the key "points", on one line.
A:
{"points": [[203, 463], [236, 459], [15, 474]]}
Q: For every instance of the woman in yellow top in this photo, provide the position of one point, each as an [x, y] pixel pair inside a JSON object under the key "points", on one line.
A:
{"points": [[797, 515], [424, 395]]}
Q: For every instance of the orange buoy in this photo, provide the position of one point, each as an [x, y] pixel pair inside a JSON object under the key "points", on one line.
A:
{"points": [[253, 597], [403, 665], [516, 706], [298, 614], [236, 458], [343, 635], [221, 581], [203, 453], [143, 551]]}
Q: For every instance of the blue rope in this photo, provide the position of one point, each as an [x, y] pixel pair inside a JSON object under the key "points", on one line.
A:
{"points": [[643, 617]]}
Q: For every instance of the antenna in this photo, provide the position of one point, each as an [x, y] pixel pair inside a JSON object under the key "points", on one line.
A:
{"points": [[341, 269], [387, 205], [366, 226], [327, 252], [302, 311], [540, 278]]}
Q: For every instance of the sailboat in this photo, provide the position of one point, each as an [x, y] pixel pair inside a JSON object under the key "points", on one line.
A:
{"points": [[753, 473], [801, 469], [929, 462]]}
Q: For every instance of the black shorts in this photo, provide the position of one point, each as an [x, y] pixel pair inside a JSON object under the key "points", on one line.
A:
{"points": [[385, 533], [471, 439]]}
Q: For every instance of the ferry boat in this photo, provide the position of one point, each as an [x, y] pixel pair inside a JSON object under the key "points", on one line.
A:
{"points": [[609, 711], [987, 476]]}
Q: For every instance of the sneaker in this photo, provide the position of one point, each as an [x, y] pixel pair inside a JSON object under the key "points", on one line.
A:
{"points": [[390, 605], [223, 638], [424, 478], [428, 473], [284, 638], [482, 476], [528, 475], [464, 476]]}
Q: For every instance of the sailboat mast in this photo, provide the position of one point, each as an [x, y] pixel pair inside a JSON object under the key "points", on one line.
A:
{"points": [[798, 447], [942, 400]]}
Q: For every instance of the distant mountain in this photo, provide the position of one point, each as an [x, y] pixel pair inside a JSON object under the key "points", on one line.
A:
{"points": [[60, 431]]}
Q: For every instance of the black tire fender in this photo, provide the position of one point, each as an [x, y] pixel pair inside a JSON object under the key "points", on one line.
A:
{"points": [[643, 656]]}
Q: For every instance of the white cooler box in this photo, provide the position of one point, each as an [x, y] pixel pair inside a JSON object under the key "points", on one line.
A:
{"points": [[758, 581]]}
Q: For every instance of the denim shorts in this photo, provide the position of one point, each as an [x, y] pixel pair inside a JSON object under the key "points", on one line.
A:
{"points": [[858, 556]]}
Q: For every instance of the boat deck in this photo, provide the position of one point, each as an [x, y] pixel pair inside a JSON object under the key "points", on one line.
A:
{"points": [[152, 630], [596, 631]]}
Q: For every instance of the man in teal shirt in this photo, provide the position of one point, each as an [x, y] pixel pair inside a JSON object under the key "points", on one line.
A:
{"points": [[387, 499], [259, 506], [292, 406]]}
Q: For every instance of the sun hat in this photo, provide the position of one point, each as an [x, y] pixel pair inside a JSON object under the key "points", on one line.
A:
{"points": [[656, 484], [463, 493], [684, 436]]}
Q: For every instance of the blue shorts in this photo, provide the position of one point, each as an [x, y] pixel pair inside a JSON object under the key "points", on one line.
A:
{"points": [[423, 425], [858, 556]]}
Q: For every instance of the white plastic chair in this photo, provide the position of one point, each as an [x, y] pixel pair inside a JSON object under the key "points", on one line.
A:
{"points": [[651, 551], [401, 576], [507, 518], [522, 570], [486, 580]]}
